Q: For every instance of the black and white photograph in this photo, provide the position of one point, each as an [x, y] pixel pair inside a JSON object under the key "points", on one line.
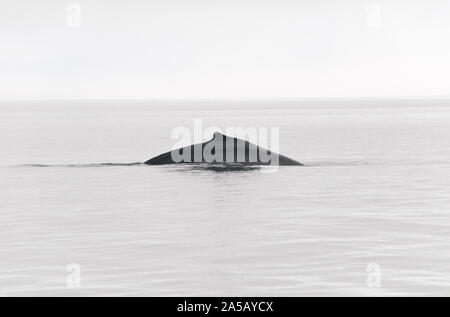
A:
{"points": [[224, 149]]}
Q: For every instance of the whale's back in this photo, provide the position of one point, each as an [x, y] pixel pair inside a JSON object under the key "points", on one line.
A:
{"points": [[223, 149]]}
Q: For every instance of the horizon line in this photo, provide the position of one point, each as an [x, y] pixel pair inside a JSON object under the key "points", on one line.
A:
{"points": [[255, 99]]}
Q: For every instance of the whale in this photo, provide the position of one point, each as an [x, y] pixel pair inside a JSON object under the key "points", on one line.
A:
{"points": [[223, 149]]}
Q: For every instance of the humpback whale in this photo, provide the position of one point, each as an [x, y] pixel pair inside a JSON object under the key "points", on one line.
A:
{"points": [[223, 149]]}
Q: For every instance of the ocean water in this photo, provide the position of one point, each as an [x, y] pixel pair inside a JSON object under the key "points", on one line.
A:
{"points": [[369, 214]]}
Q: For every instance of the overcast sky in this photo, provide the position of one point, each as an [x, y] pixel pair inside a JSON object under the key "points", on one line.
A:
{"points": [[224, 49]]}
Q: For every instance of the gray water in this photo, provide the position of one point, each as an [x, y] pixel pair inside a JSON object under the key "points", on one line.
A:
{"points": [[374, 192]]}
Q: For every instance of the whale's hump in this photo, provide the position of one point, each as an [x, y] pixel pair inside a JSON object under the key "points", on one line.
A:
{"points": [[223, 149]]}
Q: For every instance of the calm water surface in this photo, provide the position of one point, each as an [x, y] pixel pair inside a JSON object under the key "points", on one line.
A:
{"points": [[375, 191]]}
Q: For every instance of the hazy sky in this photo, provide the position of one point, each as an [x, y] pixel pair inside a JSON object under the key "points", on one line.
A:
{"points": [[224, 49]]}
